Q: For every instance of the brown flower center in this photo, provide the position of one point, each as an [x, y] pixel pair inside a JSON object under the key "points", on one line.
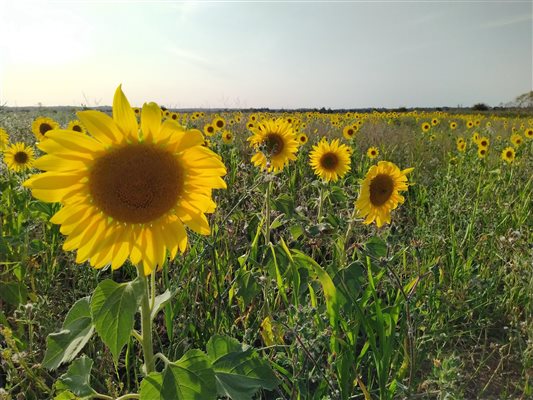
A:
{"points": [[21, 157], [274, 144], [509, 154], [44, 127], [137, 183], [381, 188], [329, 161]]}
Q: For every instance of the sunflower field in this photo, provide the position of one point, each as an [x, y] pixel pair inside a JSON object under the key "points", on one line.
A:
{"points": [[148, 253]]}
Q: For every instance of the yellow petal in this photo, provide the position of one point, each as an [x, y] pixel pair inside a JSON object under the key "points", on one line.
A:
{"points": [[150, 122], [101, 126], [124, 116]]}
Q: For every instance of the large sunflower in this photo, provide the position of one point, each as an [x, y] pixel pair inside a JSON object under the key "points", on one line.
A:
{"points": [[128, 189], [380, 192], [330, 161], [19, 157], [41, 126], [275, 143]]}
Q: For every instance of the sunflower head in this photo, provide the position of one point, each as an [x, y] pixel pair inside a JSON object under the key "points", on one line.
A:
{"points": [[528, 133], [275, 144], [219, 123], [508, 155], [128, 190], [330, 161], [380, 192], [76, 126], [516, 139], [482, 152], [349, 132], [209, 130], [19, 157], [483, 142], [227, 137], [426, 127], [302, 139], [41, 126], [4, 139], [453, 125], [372, 152]]}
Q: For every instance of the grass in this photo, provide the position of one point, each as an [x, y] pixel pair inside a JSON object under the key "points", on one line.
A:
{"points": [[437, 305]]}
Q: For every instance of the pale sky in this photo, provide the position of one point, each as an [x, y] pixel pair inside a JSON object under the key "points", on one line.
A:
{"points": [[265, 54]]}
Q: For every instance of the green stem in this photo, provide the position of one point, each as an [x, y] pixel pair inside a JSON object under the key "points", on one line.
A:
{"points": [[267, 212], [146, 323], [320, 203]]}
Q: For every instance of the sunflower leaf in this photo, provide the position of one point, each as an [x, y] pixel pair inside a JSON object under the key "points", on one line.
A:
{"points": [[78, 376], [113, 308], [239, 371], [191, 377], [64, 345]]}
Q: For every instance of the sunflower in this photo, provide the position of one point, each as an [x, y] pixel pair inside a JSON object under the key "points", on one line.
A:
{"points": [[434, 122], [475, 137], [528, 133], [302, 139], [425, 127], [469, 124], [275, 143], [508, 155], [372, 152], [516, 139], [453, 125], [330, 161], [19, 157], [129, 189], [4, 139], [380, 192], [483, 142], [42, 125], [209, 129], [227, 137], [482, 152], [349, 132], [461, 146], [137, 111], [76, 126], [219, 123]]}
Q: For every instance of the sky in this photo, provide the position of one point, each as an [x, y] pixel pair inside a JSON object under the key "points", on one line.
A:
{"points": [[241, 54]]}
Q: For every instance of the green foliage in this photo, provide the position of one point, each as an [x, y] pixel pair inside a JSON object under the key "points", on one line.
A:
{"points": [[78, 376], [113, 308], [64, 346]]}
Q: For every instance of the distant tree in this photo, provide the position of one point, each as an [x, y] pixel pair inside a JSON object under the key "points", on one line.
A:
{"points": [[524, 100], [480, 107]]}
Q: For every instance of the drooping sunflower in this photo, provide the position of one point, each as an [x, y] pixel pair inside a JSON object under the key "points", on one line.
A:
{"points": [[330, 161], [372, 152], [349, 132], [302, 139], [508, 155], [227, 137], [516, 139], [425, 127], [128, 190], [380, 192], [4, 139], [276, 144], [19, 157], [42, 125], [76, 126]]}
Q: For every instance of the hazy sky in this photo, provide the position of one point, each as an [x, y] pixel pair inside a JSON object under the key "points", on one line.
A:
{"points": [[266, 54]]}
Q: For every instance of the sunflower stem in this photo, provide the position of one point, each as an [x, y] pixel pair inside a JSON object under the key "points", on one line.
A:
{"points": [[267, 212], [320, 203], [146, 323]]}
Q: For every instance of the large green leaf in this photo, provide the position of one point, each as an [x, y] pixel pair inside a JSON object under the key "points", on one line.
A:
{"points": [[113, 308], [190, 378], [64, 345], [14, 293], [239, 371], [78, 376]]}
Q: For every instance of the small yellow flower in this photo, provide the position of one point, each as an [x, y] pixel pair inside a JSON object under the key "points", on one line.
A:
{"points": [[19, 157]]}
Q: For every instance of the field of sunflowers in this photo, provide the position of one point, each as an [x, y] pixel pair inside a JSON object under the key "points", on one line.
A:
{"points": [[160, 254]]}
